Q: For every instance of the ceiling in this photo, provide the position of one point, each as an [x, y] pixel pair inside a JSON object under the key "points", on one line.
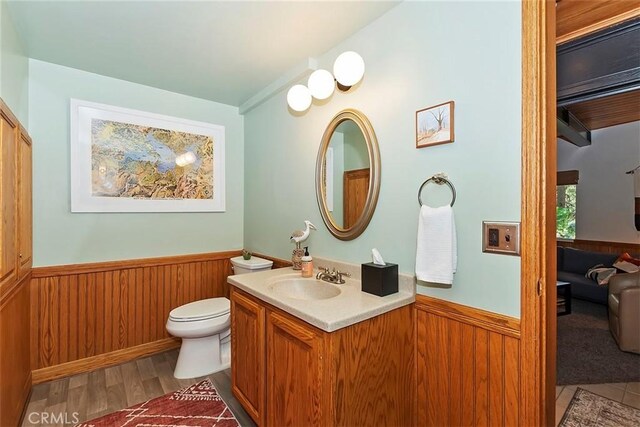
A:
{"points": [[575, 18], [219, 50], [608, 111]]}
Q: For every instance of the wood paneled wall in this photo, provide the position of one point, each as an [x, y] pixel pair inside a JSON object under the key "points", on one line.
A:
{"points": [[85, 310], [467, 365], [601, 246], [15, 374]]}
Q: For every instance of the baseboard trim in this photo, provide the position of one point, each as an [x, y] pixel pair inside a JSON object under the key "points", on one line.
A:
{"points": [[505, 325], [102, 360], [94, 267]]}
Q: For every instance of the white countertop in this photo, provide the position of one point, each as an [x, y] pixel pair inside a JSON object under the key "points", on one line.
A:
{"points": [[349, 307]]}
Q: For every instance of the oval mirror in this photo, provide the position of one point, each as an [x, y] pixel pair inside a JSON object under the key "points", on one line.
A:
{"points": [[348, 174]]}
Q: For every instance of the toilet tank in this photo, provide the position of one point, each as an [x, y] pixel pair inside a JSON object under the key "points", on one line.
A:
{"points": [[253, 265]]}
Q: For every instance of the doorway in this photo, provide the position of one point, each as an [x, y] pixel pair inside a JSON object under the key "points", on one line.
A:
{"points": [[538, 210]]}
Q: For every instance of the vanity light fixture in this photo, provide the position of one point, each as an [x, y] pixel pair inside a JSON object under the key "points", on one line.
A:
{"points": [[321, 84], [299, 98], [348, 70]]}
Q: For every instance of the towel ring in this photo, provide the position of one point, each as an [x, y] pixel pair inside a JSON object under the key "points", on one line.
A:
{"points": [[438, 180]]}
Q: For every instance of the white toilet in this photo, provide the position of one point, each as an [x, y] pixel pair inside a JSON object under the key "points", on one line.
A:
{"points": [[204, 327]]}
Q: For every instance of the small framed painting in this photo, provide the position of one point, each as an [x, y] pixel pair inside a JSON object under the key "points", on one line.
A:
{"points": [[434, 125], [125, 160]]}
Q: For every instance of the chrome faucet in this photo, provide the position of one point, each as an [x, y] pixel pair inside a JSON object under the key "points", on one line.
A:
{"points": [[333, 276]]}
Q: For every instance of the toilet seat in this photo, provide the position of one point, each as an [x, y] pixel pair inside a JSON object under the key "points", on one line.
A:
{"points": [[201, 310]]}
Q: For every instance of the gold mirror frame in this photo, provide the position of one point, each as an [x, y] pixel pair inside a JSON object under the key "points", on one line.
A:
{"points": [[374, 176]]}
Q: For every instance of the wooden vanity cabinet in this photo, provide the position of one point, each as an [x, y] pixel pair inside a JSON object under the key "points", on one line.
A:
{"points": [[248, 353], [295, 362], [361, 375]]}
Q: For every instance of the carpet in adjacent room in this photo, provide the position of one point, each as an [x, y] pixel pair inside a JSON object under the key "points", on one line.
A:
{"points": [[587, 353]]}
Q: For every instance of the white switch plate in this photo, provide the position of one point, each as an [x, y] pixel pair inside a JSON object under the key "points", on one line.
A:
{"points": [[501, 237]]}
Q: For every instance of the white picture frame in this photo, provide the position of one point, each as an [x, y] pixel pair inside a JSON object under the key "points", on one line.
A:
{"points": [[83, 185]]}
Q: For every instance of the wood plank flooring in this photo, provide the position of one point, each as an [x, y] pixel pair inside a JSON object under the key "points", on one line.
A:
{"points": [[94, 394]]}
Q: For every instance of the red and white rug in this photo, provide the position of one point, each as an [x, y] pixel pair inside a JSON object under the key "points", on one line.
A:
{"points": [[197, 405]]}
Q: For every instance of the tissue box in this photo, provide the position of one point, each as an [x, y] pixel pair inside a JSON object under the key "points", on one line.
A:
{"points": [[380, 280]]}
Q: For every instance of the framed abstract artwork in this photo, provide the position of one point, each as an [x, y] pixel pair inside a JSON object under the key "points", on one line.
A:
{"points": [[434, 125], [125, 160]]}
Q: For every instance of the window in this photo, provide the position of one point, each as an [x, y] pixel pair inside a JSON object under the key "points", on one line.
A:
{"points": [[566, 205]]}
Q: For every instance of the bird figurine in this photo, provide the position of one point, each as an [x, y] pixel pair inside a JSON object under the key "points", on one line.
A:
{"points": [[300, 236]]}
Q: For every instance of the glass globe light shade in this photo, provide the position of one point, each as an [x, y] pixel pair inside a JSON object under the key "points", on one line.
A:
{"points": [[348, 68], [321, 84], [299, 98]]}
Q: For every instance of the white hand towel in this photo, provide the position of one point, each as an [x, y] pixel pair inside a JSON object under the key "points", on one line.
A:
{"points": [[436, 253]]}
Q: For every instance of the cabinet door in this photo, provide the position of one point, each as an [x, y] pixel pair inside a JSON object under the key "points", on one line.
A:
{"points": [[248, 353], [295, 354], [8, 256], [24, 204]]}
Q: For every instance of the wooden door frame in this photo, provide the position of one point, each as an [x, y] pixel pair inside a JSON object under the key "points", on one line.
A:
{"points": [[538, 263]]}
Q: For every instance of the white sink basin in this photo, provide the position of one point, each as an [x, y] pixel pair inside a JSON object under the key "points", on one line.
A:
{"points": [[304, 289]]}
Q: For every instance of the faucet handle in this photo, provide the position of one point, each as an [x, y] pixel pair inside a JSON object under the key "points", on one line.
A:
{"points": [[340, 274]]}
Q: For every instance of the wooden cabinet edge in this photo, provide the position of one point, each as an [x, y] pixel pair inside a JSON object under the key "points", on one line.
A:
{"points": [[242, 298], [9, 290], [25, 260]]}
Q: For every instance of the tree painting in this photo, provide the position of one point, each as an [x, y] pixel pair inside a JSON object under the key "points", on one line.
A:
{"points": [[434, 125]]}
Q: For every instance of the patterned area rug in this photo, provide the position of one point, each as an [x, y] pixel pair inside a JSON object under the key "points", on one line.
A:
{"points": [[197, 405], [587, 409]]}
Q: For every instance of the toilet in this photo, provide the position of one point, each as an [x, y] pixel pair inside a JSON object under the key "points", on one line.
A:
{"points": [[204, 327]]}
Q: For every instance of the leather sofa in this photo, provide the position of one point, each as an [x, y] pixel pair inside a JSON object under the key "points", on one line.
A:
{"points": [[573, 264], [624, 310]]}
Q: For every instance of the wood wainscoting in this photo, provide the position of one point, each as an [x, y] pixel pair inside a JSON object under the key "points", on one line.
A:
{"points": [[468, 365], [617, 248], [15, 374], [87, 316]]}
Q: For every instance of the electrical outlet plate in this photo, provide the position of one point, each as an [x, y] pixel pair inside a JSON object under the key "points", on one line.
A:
{"points": [[501, 237]]}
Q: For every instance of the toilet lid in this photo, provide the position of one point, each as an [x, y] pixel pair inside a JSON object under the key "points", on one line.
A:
{"points": [[201, 310]]}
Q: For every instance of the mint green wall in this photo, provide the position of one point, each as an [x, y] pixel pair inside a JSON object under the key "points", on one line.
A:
{"points": [[14, 68], [61, 237], [356, 155], [416, 55]]}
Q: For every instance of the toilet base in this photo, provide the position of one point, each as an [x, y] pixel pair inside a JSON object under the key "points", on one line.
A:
{"points": [[199, 357]]}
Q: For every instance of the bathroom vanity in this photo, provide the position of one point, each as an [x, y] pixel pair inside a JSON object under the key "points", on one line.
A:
{"points": [[303, 354]]}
